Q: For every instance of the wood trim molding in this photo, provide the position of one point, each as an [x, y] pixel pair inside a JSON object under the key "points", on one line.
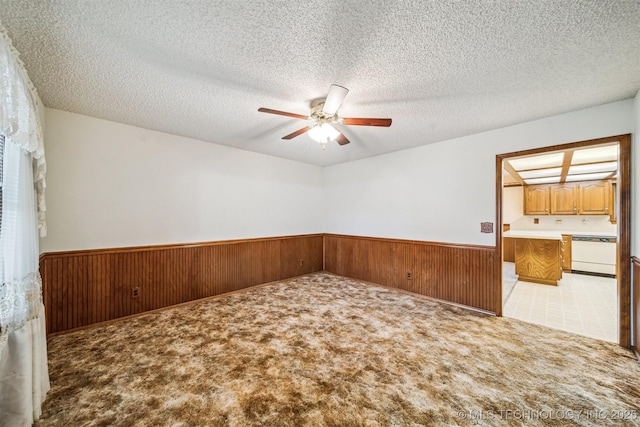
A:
{"points": [[623, 272], [497, 259], [514, 173], [566, 164], [636, 306]]}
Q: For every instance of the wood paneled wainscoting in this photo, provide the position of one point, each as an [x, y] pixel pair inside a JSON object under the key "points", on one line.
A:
{"points": [[81, 288], [463, 274], [635, 322]]}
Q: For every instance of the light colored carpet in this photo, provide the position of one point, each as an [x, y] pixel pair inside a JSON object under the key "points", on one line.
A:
{"points": [[322, 350]]}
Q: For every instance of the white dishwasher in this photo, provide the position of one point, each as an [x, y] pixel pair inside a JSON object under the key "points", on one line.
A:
{"points": [[593, 254]]}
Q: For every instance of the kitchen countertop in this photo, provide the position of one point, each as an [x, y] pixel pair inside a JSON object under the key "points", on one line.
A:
{"points": [[533, 234]]}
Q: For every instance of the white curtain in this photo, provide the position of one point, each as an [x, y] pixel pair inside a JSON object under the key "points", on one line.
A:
{"points": [[24, 376]]}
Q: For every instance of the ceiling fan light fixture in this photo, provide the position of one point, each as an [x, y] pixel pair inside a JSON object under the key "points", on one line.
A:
{"points": [[323, 115], [323, 133]]}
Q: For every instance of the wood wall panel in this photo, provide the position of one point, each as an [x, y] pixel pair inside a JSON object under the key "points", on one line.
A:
{"points": [[81, 288], [462, 274], [635, 322]]}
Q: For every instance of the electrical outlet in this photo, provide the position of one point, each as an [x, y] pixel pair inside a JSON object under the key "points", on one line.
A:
{"points": [[409, 276], [135, 292], [301, 262]]}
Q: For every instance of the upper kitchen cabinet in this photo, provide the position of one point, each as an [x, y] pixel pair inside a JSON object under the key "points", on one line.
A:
{"points": [[579, 198], [536, 200], [595, 198], [564, 199]]}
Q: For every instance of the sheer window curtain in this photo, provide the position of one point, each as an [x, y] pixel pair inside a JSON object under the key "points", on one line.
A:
{"points": [[24, 376]]}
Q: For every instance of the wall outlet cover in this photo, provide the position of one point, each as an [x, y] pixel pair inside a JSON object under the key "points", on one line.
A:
{"points": [[486, 227]]}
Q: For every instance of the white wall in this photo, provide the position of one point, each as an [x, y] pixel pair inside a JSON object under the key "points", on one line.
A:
{"points": [[512, 204], [441, 192], [113, 185]]}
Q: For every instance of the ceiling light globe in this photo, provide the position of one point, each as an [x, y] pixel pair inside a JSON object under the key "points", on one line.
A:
{"points": [[323, 133]]}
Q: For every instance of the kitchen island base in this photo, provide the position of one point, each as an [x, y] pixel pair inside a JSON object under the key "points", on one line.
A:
{"points": [[539, 260]]}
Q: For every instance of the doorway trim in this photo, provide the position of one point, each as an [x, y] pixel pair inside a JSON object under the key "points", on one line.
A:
{"points": [[623, 269]]}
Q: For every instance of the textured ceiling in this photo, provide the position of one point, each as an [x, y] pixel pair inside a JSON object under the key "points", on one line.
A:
{"points": [[440, 69]]}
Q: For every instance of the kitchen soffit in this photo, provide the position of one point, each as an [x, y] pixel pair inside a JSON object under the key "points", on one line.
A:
{"points": [[585, 164]]}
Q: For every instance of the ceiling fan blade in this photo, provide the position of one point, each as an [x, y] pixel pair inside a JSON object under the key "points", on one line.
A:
{"points": [[334, 99], [282, 113], [342, 140], [366, 122], [297, 133]]}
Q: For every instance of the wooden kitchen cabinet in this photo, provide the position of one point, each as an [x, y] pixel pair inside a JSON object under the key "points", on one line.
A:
{"points": [[579, 198], [595, 198], [536, 200], [566, 253], [508, 249], [539, 260], [564, 199]]}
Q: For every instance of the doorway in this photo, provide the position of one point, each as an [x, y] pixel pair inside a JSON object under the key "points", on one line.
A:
{"points": [[618, 187]]}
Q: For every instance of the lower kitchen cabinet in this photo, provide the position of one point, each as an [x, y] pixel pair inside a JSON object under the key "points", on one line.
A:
{"points": [[566, 253], [508, 249]]}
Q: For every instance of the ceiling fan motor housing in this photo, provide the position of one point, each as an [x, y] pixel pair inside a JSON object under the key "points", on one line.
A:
{"points": [[318, 115]]}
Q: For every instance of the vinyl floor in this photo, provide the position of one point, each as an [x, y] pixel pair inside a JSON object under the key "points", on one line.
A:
{"points": [[581, 304]]}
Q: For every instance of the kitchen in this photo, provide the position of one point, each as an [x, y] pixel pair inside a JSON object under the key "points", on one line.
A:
{"points": [[559, 240]]}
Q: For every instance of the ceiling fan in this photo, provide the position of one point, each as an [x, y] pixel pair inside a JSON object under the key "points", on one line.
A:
{"points": [[324, 115]]}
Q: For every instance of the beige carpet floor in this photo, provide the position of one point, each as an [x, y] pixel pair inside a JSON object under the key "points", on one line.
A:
{"points": [[322, 350]]}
